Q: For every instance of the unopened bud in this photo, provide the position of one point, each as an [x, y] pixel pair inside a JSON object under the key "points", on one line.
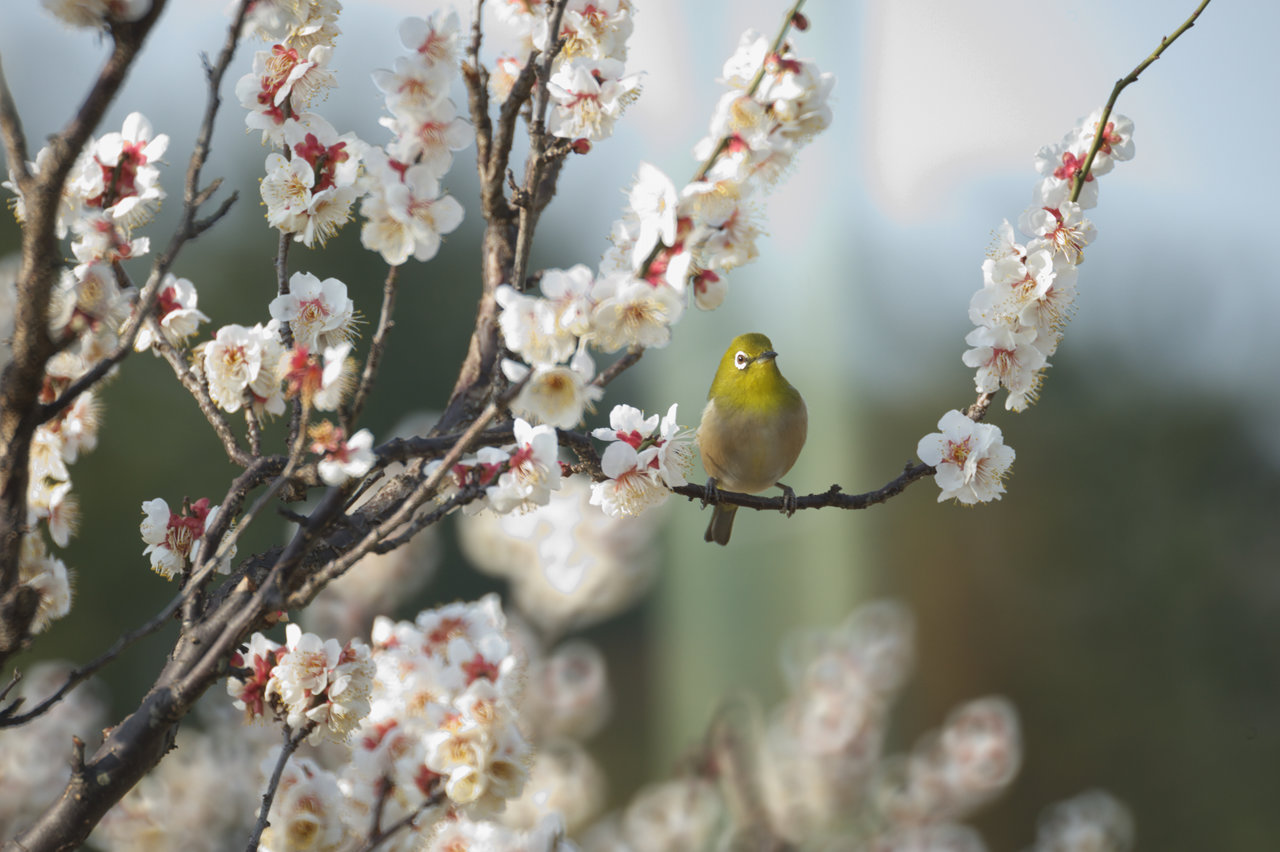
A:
{"points": [[581, 145], [799, 21]]}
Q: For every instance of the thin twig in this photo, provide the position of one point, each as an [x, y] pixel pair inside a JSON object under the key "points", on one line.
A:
{"points": [[376, 348], [15, 142], [83, 673], [200, 391], [617, 367], [382, 836], [295, 455], [201, 572], [751, 89], [291, 742], [1120, 86]]}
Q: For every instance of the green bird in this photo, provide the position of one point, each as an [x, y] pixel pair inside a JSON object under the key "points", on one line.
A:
{"points": [[752, 428]]}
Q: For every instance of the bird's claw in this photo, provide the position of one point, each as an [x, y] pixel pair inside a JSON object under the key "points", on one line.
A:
{"points": [[788, 500], [711, 494]]}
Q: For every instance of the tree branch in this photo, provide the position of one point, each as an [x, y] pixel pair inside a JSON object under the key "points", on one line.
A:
{"points": [[376, 349]]}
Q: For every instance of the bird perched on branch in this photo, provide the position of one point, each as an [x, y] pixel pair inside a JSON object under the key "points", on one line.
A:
{"points": [[752, 428]]}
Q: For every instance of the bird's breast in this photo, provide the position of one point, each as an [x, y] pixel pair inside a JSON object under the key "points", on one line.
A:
{"points": [[749, 450]]}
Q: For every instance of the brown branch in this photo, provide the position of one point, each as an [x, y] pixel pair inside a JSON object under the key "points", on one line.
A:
{"points": [[376, 349], [617, 367], [9, 716], [382, 836], [200, 391], [1120, 86], [476, 78], [31, 347], [291, 742], [15, 141], [404, 511], [508, 235]]}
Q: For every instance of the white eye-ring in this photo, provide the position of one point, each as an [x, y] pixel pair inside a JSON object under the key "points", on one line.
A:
{"points": [[741, 360]]}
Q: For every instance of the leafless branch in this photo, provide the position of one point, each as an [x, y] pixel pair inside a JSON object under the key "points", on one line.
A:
{"points": [[376, 348], [382, 836], [15, 142], [292, 740], [200, 391]]}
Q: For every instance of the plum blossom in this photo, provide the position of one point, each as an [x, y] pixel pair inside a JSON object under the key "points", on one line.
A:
{"points": [[633, 312], [309, 193], [645, 457], [589, 96], [322, 681], [283, 83], [176, 313], [343, 458], [241, 366], [173, 538], [556, 394], [533, 470], [1008, 356], [319, 313], [406, 213], [971, 459]]}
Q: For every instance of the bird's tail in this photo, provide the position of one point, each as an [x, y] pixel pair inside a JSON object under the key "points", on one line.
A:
{"points": [[721, 523]]}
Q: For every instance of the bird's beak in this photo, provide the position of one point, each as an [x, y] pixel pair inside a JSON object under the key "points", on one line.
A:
{"points": [[766, 355]]}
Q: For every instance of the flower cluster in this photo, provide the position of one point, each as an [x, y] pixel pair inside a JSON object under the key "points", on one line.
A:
{"points": [[443, 717], [309, 193], [971, 459], [689, 239], [1028, 294], [302, 24], [48, 576], [174, 538], [308, 810], [589, 88], [1029, 289], [319, 313], [308, 680], [645, 458], [311, 183], [57, 444], [112, 188], [455, 701], [242, 367], [177, 314], [405, 211], [514, 478], [250, 366]]}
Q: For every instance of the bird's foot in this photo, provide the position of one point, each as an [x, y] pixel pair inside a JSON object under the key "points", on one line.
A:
{"points": [[788, 500], [711, 494]]}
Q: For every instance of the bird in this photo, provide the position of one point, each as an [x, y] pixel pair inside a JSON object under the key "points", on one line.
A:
{"points": [[752, 429]]}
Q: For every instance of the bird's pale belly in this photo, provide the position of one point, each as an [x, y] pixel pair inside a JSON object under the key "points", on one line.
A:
{"points": [[751, 451]]}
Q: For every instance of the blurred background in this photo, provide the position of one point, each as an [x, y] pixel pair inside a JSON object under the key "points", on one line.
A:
{"points": [[1125, 594]]}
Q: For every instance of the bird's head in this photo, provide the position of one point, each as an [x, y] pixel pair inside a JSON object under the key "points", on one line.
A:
{"points": [[748, 373]]}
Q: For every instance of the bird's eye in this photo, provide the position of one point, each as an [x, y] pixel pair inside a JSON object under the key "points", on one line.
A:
{"points": [[741, 360]]}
